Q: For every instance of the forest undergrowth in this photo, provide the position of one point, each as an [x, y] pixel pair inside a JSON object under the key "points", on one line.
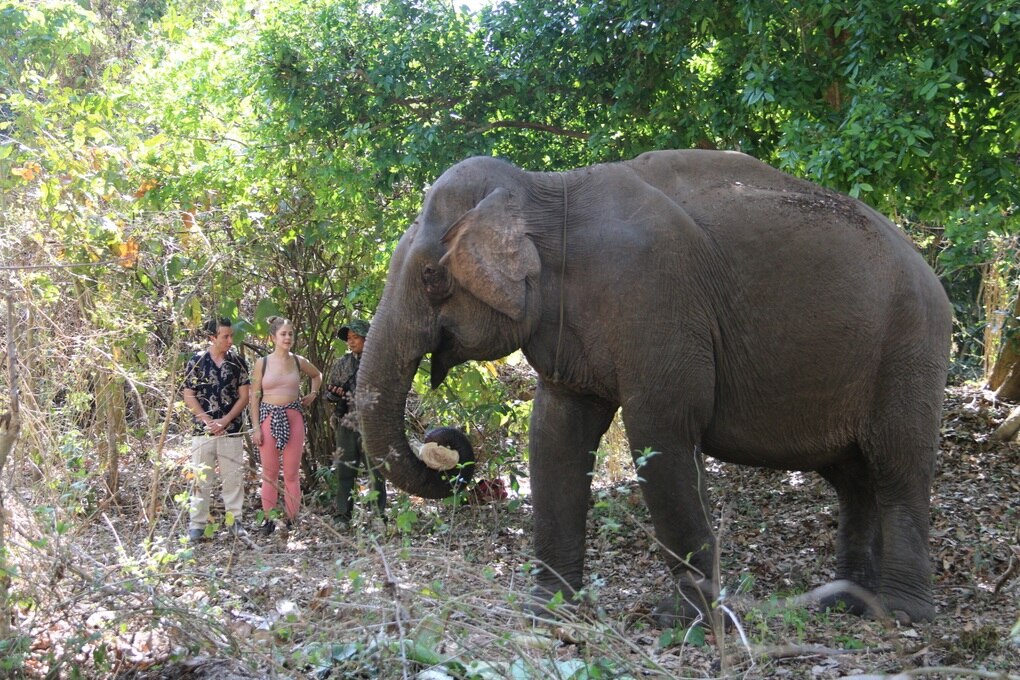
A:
{"points": [[435, 593]]}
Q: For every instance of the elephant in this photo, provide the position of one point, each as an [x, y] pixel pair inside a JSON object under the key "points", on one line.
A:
{"points": [[725, 308]]}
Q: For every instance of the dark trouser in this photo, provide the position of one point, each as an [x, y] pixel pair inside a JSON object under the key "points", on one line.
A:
{"points": [[349, 457]]}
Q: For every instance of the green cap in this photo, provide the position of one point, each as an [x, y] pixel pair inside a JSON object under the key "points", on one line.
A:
{"points": [[359, 326]]}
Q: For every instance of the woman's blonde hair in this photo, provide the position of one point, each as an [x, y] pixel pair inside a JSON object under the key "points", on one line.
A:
{"points": [[276, 323]]}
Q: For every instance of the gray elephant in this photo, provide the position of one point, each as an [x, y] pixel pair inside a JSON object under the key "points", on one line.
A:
{"points": [[725, 306]]}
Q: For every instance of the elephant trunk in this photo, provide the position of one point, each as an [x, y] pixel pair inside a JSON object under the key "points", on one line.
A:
{"points": [[384, 379]]}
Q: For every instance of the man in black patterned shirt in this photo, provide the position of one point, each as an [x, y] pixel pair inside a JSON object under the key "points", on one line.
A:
{"points": [[216, 387]]}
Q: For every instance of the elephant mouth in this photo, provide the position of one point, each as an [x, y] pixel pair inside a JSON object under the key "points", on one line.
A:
{"points": [[444, 357]]}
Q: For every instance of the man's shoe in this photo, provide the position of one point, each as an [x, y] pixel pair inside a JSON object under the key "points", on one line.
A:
{"points": [[240, 535], [196, 535], [268, 527]]}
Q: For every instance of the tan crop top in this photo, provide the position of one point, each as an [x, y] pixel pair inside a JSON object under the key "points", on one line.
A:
{"points": [[281, 381]]}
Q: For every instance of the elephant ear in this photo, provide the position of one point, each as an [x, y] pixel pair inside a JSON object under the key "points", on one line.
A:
{"points": [[490, 255]]}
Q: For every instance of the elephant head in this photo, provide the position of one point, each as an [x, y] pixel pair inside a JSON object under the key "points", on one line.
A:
{"points": [[462, 284]]}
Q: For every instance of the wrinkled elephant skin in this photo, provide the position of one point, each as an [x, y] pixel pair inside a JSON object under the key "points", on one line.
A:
{"points": [[726, 307]]}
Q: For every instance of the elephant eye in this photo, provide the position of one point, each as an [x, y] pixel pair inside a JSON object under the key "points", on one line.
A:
{"points": [[437, 283]]}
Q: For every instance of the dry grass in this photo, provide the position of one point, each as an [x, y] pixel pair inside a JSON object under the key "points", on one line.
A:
{"points": [[436, 593]]}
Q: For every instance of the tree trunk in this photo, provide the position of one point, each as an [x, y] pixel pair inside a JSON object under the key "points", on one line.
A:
{"points": [[9, 426], [1009, 390], [10, 423], [111, 406], [1010, 428], [1005, 376]]}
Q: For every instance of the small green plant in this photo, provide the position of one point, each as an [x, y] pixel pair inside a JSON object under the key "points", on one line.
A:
{"points": [[556, 601], [980, 642], [642, 460], [610, 513], [775, 620], [261, 515], [797, 618], [849, 642], [406, 521], [694, 635], [13, 652]]}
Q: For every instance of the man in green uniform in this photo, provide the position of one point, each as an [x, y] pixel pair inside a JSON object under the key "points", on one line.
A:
{"points": [[349, 455]]}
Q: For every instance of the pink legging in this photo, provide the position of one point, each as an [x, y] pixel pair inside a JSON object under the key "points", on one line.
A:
{"points": [[291, 465]]}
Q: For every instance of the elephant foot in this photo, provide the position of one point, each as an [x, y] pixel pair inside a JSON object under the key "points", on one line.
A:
{"points": [[850, 597], [685, 608], [851, 603], [907, 610], [543, 604]]}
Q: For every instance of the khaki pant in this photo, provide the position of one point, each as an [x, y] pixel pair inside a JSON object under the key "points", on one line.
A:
{"points": [[206, 452]]}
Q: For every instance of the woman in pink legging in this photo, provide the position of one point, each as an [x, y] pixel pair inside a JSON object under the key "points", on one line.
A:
{"points": [[278, 408]]}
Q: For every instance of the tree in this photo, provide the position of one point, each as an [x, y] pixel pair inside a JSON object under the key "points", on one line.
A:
{"points": [[908, 106], [1005, 375]]}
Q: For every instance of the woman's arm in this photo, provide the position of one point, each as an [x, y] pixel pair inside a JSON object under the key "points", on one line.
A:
{"points": [[312, 372], [255, 400]]}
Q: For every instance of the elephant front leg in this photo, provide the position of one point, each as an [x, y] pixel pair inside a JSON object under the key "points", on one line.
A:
{"points": [[565, 432], [672, 478]]}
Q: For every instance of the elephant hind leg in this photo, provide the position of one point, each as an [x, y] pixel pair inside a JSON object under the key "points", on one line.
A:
{"points": [[899, 442], [859, 536], [902, 464]]}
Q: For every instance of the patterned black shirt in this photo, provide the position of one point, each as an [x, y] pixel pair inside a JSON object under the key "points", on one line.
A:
{"points": [[217, 388]]}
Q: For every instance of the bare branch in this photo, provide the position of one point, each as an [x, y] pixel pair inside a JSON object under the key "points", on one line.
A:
{"points": [[523, 125], [1009, 428]]}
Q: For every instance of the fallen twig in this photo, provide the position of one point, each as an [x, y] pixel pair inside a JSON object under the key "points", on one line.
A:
{"points": [[935, 671], [793, 651], [1011, 570]]}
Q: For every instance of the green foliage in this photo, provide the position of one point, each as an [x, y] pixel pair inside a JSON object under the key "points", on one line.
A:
{"points": [[475, 397], [40, 43], [13, 652], [780, 621], [355, 658]]}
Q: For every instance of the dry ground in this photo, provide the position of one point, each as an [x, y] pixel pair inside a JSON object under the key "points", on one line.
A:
{"points": [[433, 595]]}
